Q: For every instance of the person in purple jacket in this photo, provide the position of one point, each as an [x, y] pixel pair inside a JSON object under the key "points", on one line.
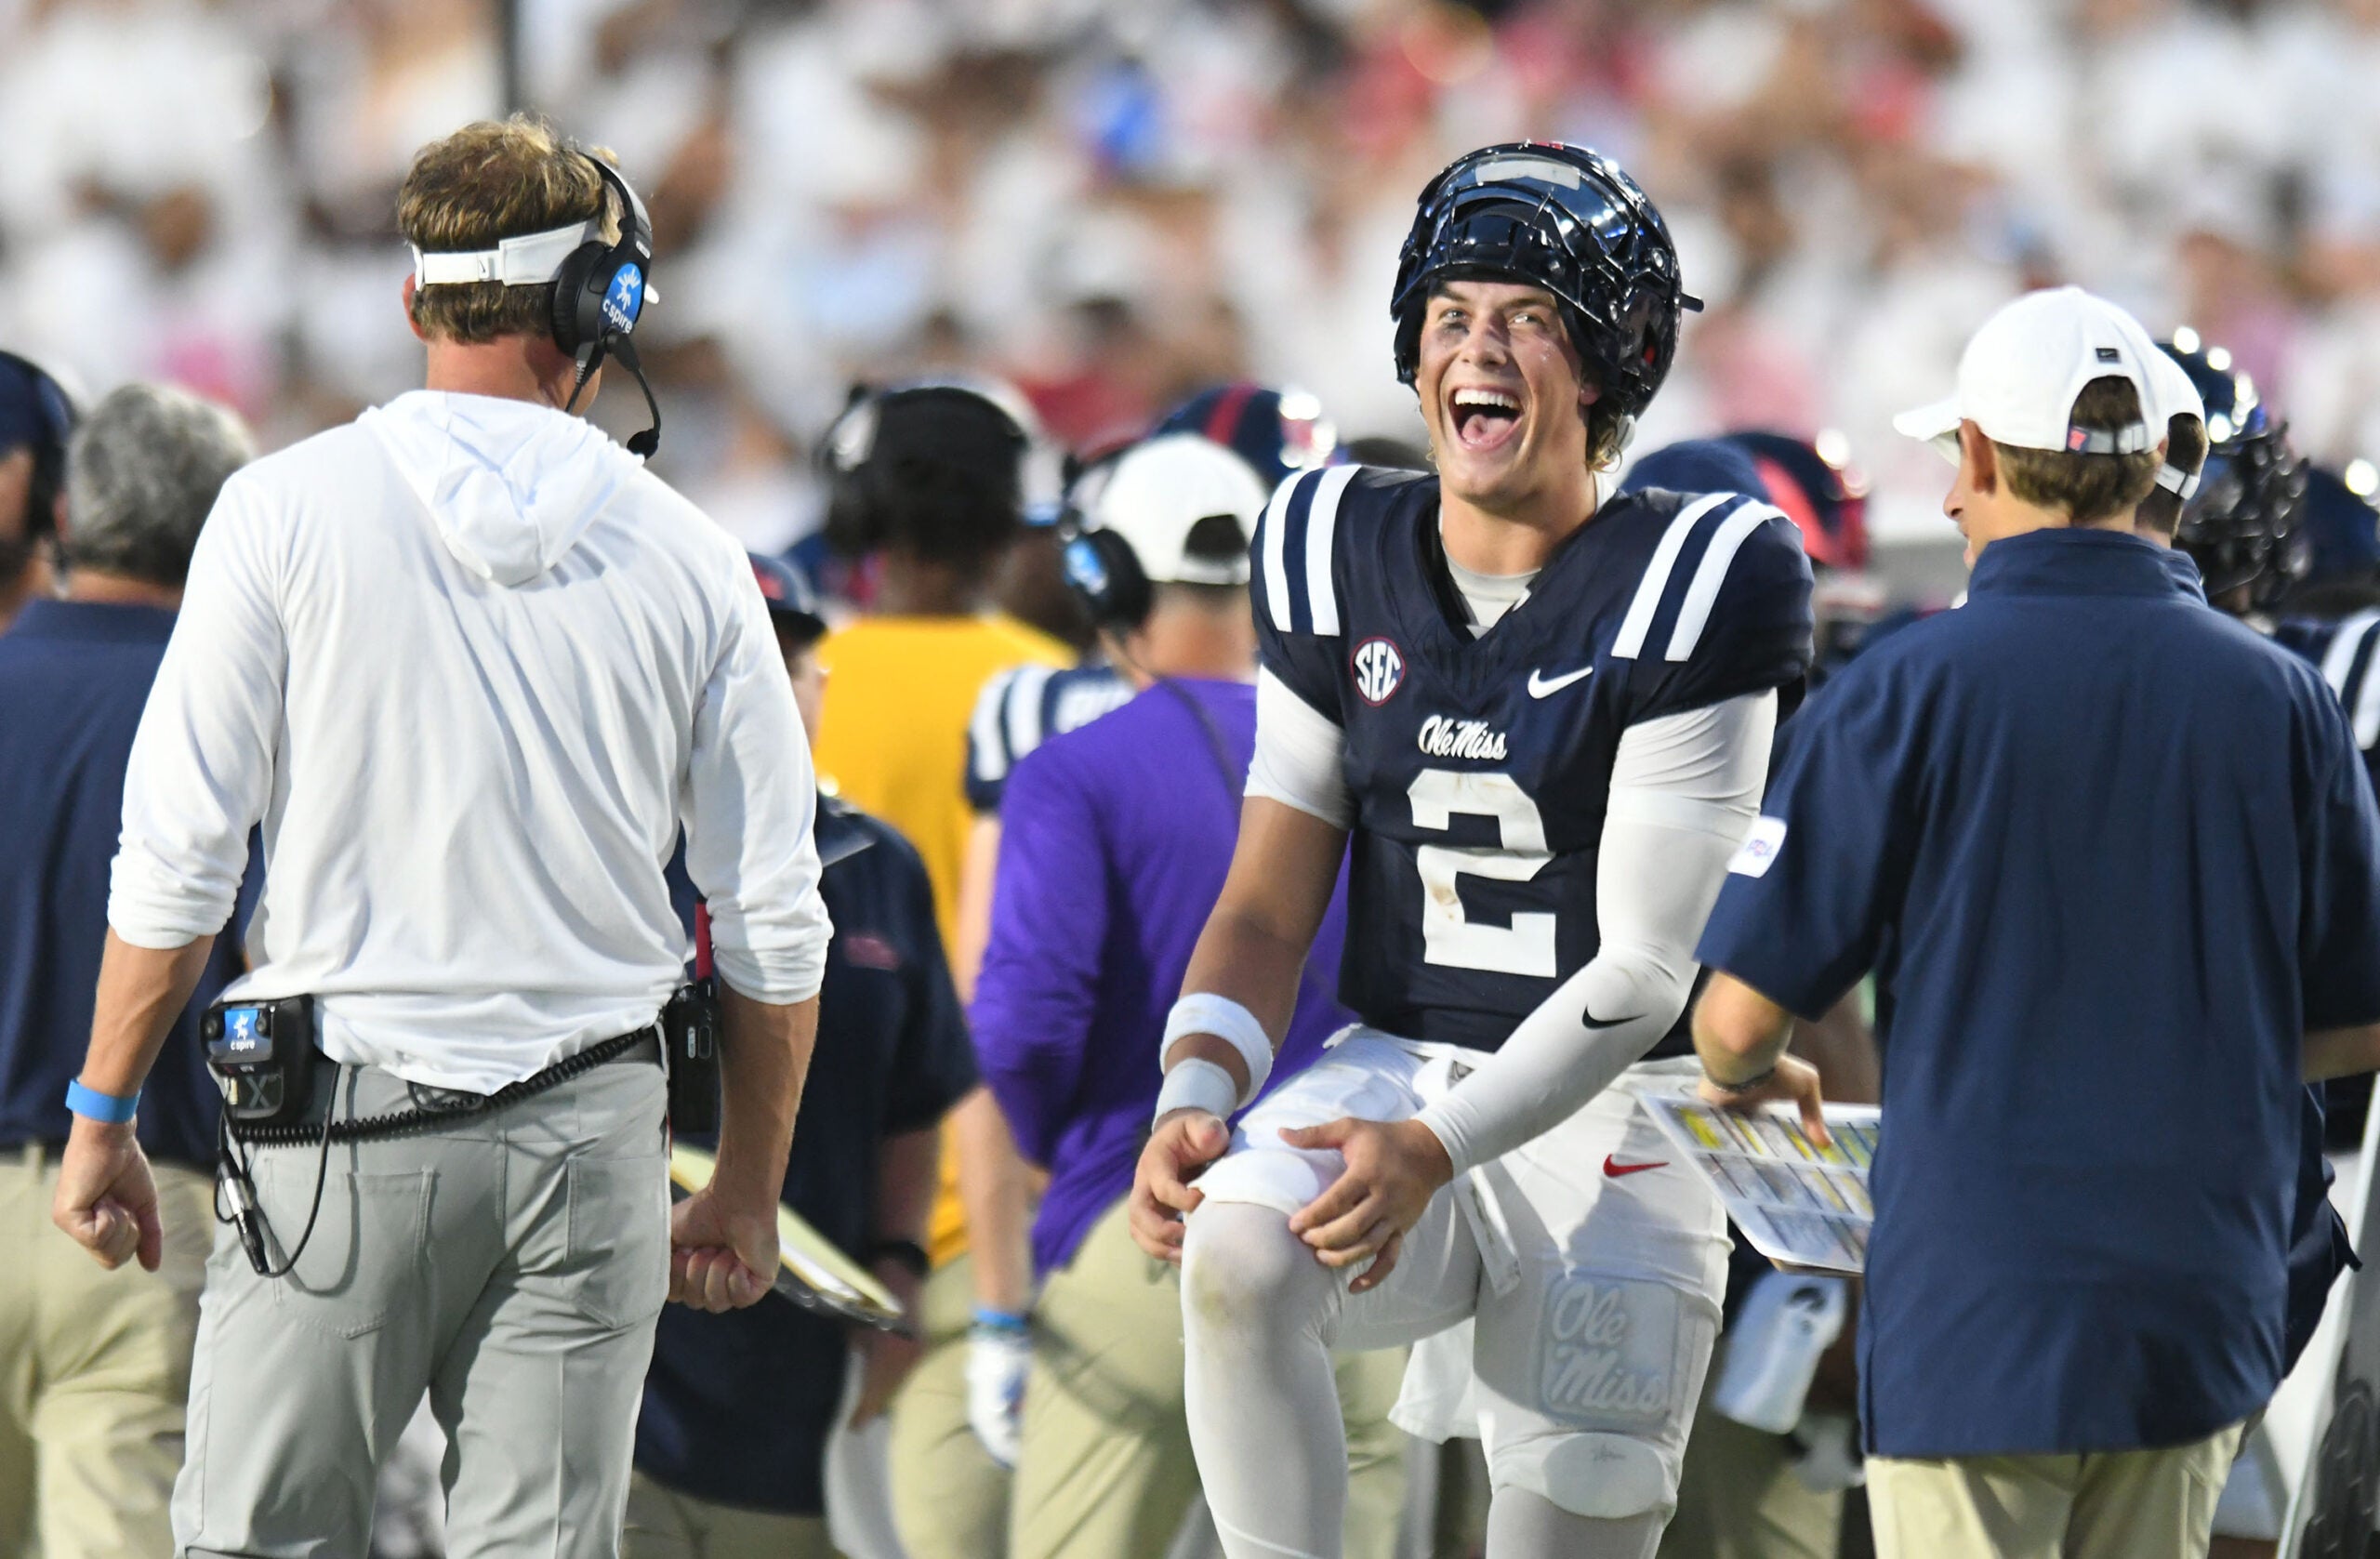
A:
{"points": [[1116, 840]]}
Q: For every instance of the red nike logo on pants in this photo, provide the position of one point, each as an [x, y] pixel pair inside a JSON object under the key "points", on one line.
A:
{"points": [[1615, 1168]]}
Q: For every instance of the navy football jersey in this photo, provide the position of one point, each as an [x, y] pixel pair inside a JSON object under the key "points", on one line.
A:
{"points": [[2344, 650], [1480, 768], [1023, 707]]}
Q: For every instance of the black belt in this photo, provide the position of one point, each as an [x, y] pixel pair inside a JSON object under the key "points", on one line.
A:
{"points": [[435, 1107]]}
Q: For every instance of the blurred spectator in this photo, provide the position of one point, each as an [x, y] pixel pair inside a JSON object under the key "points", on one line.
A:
{"points": [[92, 1406]]}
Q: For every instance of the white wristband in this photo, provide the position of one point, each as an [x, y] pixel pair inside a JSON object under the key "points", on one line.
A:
{"points": [[1205, 1012], [1197, 1084]]}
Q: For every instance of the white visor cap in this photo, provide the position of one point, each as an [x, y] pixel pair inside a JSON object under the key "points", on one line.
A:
{"points": [[1159, 493], [2019, 375]]}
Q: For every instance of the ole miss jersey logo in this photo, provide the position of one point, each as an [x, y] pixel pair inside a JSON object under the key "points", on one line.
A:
{"points": [[1378, 667]]}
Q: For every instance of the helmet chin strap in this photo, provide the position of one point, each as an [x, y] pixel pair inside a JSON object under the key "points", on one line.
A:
{"points": [[617, 344]]}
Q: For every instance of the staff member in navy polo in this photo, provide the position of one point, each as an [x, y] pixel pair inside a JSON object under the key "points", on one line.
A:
{"points": [[92, 1405], [731, 1448], [2112, 860]]}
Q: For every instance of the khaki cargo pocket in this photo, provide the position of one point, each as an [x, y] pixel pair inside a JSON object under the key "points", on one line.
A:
{"points": [[364, 1261], [616, 1271]]}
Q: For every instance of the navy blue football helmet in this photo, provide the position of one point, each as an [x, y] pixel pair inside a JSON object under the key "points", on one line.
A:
{"points": [[1278, 431], [1564, 219], [2237, 525]]}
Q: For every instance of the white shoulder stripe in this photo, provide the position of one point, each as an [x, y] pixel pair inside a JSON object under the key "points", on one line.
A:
{"points": [[1025, 710], [2367, 700], [1276, 560], [1693, 612], [1321, 536], [1639, 621], [2339, 659], [983, 728]]}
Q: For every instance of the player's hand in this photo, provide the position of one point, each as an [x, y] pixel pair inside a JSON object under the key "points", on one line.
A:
{"points": [[886, 1357], [106, 1199], [1184, 1143], [1795, 1082], [722, 1248], [1393, 1168]]}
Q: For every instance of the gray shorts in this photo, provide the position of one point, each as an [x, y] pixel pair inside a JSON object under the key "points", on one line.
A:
{"points": [[512, 1265]]}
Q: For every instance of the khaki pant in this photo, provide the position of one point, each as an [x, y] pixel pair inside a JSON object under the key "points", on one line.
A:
{"points": [[664, 1524], [949, 1496], [94, 1372], [1106, 1471], [1741, 1500], [512, 1264], [2155, 1504]]}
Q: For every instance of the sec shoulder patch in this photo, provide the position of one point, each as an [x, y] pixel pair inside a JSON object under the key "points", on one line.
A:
{"points": [[1379, 666]]}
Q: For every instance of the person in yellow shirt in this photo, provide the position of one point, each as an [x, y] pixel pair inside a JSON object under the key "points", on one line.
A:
{"points": [[930, 481]]}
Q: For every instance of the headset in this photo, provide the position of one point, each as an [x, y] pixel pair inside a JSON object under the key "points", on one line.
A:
{"points": [[599, 289], [58, 416], [1102, 570]]}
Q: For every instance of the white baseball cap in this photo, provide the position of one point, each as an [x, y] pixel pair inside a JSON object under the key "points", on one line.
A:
{"points": [[2019, 375], [2172, 394], [1159, 493]]}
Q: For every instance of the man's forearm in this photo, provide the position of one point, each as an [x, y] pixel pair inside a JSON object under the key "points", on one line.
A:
{"points": [[906, 1169], [1738, 1034], [996, 1194], [1242, 958], [764, 1055], [2342, 1052], [142, 990]]}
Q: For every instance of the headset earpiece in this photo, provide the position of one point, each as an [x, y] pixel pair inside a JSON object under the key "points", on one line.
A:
{"points": [[600, 290], [1105, 576]]}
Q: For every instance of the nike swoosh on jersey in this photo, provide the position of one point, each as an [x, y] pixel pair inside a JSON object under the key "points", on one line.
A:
{"points": [[1540, 684], [1615, 1168]]}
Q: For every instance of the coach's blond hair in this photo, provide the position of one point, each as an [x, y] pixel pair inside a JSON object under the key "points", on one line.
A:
{"points": [[488, 181]]}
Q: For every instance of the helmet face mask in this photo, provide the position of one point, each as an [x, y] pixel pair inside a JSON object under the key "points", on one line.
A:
{"points": [[1563, 219]]}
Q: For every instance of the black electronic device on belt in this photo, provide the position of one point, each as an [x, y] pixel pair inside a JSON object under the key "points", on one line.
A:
{"points": [[262, 1056], [690, 1033]]}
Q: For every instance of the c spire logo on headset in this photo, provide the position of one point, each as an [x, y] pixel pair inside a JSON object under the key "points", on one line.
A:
{"points": [[626, 299]]}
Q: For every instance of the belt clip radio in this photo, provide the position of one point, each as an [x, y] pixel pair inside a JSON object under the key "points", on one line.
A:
{"points": [[262, 1056], [690, 1033]]}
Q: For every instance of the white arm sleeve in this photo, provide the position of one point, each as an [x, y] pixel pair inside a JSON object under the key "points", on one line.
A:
{"points": [[1297, 758], [1683, 789]]}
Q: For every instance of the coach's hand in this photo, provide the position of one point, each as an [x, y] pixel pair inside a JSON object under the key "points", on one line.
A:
{"points": [[105, 1198], [1795, 1082], [722, 1248], [1393, 1169], [1184, 1143]]}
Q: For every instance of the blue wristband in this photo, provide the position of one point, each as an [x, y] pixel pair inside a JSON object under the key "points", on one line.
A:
{"points": [[1000, 1320], [91, 1104]]}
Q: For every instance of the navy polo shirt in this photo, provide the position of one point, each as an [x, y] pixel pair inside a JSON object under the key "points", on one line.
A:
{"points": [[73, 676], [2110, 855], [738, 1405]]}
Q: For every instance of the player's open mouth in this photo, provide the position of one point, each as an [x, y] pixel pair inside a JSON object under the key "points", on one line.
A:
{"points": [[1483, 418]]}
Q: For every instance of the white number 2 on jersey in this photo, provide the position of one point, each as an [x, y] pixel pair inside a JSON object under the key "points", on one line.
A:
{"points": [[1526, 946]]}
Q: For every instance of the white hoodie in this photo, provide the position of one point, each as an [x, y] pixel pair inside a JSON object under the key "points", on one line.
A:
{"points": [[471, 666]]}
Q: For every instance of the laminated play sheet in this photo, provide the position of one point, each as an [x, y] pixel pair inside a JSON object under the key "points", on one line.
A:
{"points": [[1799, 1204]]}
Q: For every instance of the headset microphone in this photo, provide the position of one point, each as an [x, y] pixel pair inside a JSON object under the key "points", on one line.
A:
{"points": [[641, 444]]}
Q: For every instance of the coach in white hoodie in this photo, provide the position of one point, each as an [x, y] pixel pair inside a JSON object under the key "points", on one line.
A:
{"points": [[472, 669]]}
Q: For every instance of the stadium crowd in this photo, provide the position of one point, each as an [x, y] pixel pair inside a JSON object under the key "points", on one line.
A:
{"points": [[1078, 239], [1113, 204]]}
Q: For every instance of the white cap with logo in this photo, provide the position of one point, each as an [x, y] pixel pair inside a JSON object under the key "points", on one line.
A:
{"points": [[2020, 375], [1159, 493]]}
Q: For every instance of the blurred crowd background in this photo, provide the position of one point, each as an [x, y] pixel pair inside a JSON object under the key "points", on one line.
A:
{"points": [[1115, 202]]}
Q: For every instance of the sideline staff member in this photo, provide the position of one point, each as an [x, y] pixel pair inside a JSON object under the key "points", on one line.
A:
{"points": [[91, 1412], [732, 1445], [2114, 862], [472, 667]]}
